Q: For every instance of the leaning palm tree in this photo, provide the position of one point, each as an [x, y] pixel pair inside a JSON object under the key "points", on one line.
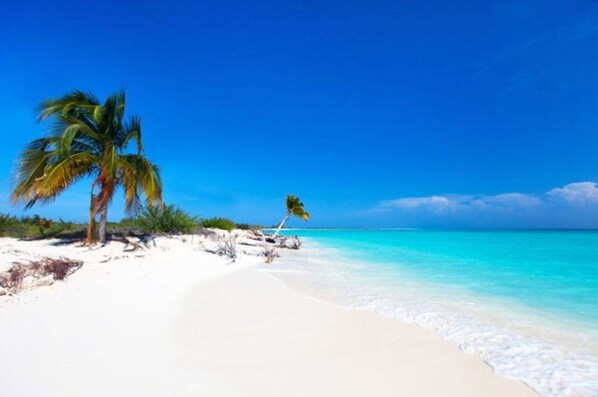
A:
{"points": [[294, 207], [88, 139]]}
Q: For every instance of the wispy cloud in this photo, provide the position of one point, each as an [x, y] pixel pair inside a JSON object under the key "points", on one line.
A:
{"points": [[454, 202], [512, 199], [565, 206], [438, 203]]}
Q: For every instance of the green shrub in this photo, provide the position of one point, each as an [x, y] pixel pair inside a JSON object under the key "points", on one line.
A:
{"points": [[6, 222], [125, 226], [33, 227], [218, 223], [26, 226], [55, 229], [168, 219], [248, 226]]}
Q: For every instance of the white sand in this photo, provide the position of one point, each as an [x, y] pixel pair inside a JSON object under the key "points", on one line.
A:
{"points": [[181, 322]]}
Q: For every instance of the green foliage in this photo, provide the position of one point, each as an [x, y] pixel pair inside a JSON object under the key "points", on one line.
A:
{"points": [[295, 207], [124, 226], [152, 220], [34, 227], [218, 223], [169, 219], [6, 221], [88, 139], [248, 226]]}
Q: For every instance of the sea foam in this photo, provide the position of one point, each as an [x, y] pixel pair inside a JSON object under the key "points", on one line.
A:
{"points": [[552, 355]]}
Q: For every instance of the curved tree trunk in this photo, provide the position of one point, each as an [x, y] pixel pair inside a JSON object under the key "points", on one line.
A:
{"points": [[286, 218], [102, 225]]}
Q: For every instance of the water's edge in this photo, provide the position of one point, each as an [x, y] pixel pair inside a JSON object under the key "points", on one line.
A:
{"points": [[546, 367]]}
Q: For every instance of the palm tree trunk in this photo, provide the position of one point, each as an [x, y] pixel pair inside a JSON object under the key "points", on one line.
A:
{"points": [[90, 237], [102, 226], [91, 227], [286, 218]]}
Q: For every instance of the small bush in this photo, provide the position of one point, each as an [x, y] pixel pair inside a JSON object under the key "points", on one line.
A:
{"points": [[168, 219], [6, 222], [33, 227], [248, 226], [218, 223], [228, 247]]}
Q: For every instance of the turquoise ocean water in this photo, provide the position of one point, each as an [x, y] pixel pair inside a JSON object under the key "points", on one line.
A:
{"points": [[524, 301]]}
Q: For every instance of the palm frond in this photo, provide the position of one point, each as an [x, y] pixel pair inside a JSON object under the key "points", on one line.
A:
{"points": [[139, 177], [131, 132], [61, 173], [111, 123], [295, 207], [74, 101], [98, 114], [32, 163], [301, 213], [293, 201], [87, 138]]}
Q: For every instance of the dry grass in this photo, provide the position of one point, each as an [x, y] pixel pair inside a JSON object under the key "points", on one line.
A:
{"points": [[58, 268], [13, 278], [228, 247]]}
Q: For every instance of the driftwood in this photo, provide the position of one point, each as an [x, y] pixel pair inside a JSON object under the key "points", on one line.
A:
{"points": [[290, 242], [131, 246], [270, 253]]}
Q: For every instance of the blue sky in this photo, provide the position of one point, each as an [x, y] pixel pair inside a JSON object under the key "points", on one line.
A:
{"points": [[380, 114]]}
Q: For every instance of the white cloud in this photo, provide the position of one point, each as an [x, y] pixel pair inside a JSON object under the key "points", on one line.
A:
{"points": [[574, 205], [442, 203], [413, 202], [512, 199], [576, 193]]}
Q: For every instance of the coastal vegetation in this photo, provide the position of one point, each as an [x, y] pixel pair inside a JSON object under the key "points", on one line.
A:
{"points": [[219, 223], [168, 219], [248, 226], [88, 139], [294, 207], [33, 226], [92, 140]]}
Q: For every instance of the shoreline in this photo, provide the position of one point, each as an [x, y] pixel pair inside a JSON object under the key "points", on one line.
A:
{"points": [[175, 320], [348, 352], [516, 341]]}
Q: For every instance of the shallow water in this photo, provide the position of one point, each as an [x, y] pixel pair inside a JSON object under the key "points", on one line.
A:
{"points": [[524, 301]]}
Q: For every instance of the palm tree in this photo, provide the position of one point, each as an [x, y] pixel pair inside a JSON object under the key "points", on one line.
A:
{"points": [[88, 139], [294, 207]]}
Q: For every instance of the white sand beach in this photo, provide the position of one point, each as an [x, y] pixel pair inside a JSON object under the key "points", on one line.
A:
{"points": [[174, 320]]}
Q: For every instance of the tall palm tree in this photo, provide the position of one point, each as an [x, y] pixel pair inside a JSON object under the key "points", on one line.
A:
{"points": [[294, 207], [88, 139]]}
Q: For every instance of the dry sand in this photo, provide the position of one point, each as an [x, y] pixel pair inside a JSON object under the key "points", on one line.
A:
{"points": [[177, 321]]}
